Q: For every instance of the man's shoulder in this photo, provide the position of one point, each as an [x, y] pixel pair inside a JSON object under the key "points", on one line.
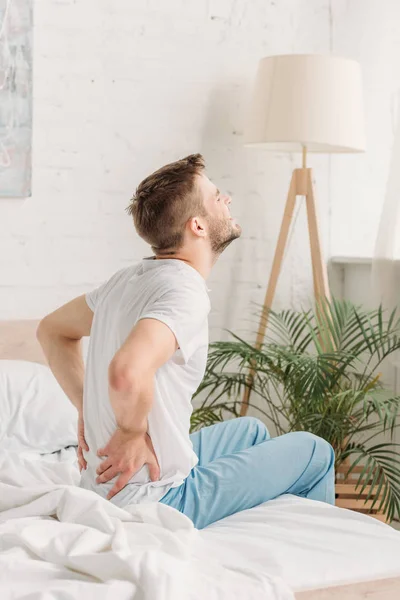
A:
{"points": [[120, 277], [125, 273], [181, 280]]}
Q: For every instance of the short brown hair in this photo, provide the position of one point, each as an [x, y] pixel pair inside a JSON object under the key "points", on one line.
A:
{"points": [[165, 201]]}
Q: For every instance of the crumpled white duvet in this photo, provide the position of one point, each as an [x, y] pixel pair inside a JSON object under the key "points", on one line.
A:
{"points": [[60, 542]]}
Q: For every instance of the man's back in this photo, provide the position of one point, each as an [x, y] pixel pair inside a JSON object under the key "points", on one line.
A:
{"points": [[174, 293]]}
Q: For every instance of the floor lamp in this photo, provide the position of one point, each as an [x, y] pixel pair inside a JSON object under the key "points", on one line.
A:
{"points": [[303, 103]]}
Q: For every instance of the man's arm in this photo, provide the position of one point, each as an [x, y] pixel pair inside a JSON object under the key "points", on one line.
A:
{"points": [[131, 372], [60, 335], [131, 386]]}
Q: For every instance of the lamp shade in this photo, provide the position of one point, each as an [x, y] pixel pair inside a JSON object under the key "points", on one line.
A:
{"points": [[310, 101]]}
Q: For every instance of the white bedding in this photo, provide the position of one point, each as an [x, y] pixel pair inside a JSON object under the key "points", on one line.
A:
{"points": [[59, 542], [35, 414], [309, 544]]}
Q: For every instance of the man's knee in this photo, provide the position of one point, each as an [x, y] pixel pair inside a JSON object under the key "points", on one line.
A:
{"points": [[255, 427], [320, 450]]}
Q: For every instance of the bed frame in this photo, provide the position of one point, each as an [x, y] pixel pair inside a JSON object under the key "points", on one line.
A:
{"points": [[18, 342]]}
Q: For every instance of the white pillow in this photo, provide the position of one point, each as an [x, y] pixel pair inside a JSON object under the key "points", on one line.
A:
{"points": [[35, 414]]}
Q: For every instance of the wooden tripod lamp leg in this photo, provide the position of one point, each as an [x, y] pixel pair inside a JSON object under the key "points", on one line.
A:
{"points": [[320, 275], [273, 280]]}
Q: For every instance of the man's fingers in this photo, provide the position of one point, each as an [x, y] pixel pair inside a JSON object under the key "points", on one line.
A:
{"points": [[81, 460], [81, 435], [152, 464], [120, 483], [107, 475], [104, 465], [102, 451], [82, 443], [154, 471]]}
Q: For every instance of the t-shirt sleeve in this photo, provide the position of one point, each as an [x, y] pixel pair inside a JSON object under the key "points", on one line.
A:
{"points": [[184, 311], [93, 296]]}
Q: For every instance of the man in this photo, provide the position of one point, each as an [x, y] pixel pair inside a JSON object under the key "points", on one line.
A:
{"points": [[146, 358]]}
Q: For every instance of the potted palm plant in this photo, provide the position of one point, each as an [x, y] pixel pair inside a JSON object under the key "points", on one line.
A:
{"points": [[319, 371]]}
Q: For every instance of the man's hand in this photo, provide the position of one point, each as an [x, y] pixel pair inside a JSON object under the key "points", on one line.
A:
{"points": [[81, 443], [126, 454]]}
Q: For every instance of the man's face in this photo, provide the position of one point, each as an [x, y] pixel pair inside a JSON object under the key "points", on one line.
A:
{"points": [[222, 228]]}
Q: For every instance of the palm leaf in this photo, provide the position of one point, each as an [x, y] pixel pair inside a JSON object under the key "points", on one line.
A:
{"points": [[289, 328], [381, 465]]}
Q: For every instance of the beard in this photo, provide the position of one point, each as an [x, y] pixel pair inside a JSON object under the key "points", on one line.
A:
{"points": [[222, 233]]}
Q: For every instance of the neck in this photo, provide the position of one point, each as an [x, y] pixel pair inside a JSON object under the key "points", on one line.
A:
{"points": [[203, 263]]}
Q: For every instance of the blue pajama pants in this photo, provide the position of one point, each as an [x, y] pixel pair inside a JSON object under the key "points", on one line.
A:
{"points": [[241, 466]]}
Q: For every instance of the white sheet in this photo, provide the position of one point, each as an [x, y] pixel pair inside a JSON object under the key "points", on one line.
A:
{"points": [[307, 543], [60, 542]]}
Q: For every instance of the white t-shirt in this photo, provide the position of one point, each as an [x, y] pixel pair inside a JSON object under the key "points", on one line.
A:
{"points": [[172, 292]]}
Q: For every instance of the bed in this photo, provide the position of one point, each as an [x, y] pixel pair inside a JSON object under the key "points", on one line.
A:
{"points": [[57, 540]]}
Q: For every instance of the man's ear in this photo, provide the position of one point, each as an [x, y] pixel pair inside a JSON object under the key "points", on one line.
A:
{"points": [[197, 226]]}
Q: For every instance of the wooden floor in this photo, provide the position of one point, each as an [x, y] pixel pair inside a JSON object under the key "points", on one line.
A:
{"points": [[383, 589]]}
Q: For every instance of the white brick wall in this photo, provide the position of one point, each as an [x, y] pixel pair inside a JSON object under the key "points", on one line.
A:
{"points": [[121, 88], [369, 32]]}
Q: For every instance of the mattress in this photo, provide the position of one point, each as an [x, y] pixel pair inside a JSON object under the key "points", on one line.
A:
{"points": [[308, 544]]}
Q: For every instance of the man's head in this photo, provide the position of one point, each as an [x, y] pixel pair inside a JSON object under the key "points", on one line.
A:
{"points": [[179, 206]]}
